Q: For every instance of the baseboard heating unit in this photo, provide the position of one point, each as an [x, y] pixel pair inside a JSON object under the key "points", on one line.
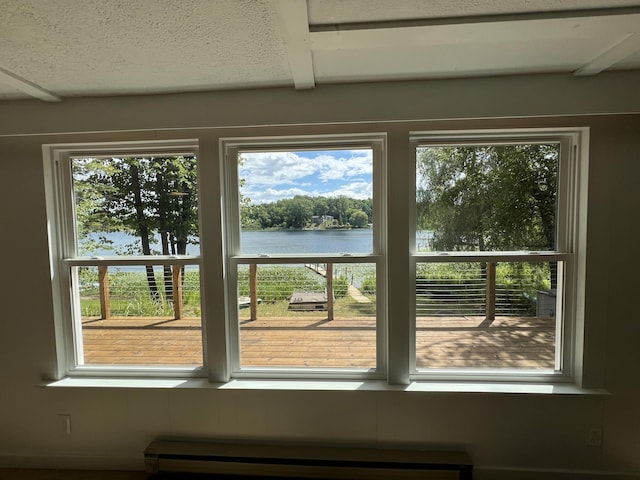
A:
{"points": [[290, 461]]}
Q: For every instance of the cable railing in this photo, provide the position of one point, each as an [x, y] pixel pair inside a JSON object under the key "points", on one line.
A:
{"points": [[481, 289], [139, 291], [174, 290], [346, 289]]}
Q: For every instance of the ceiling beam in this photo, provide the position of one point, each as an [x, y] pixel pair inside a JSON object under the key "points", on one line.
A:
{"points": [[629, 45], [474, 19], [294, 21], [25, 86]]}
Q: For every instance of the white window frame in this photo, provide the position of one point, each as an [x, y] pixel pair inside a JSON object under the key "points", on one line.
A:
{"points": [[64, 256], [570, 249], [229, 150], [219, 236]]}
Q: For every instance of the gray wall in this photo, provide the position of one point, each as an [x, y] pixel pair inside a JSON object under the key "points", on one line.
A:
{"points": [[518, 432]]}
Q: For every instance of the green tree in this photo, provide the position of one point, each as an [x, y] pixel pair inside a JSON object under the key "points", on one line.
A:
{"points": [[488, 197], [357, 218], [338, 207], [142, 196], [497, 197], [298, 211]]}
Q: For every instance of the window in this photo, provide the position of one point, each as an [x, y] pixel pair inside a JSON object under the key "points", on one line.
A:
{"points": [[272, 257], [494, 253], [304, 255], [129, 255]]}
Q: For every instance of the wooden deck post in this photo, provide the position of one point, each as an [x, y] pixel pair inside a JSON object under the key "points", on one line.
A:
{"points": [[253, 290], [103, 286], [177, 291], [329, 277], [491, 291]]}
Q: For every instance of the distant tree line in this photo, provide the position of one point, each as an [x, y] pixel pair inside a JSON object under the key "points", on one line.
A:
{"points": [[303, 211]]}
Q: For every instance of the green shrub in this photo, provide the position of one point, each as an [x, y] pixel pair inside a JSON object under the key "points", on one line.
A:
{"points": [[368, 285], [340, 287]]}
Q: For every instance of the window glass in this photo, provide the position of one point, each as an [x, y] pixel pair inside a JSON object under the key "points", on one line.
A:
{"points": [[127, 313], [306, 201], [486, 315], [136, 205], [486, 197], [307, 315], [140, 315], [490, 201]]}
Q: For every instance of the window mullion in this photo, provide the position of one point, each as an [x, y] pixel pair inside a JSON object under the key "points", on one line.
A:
{"points": [[400, 290], [214, 308]]}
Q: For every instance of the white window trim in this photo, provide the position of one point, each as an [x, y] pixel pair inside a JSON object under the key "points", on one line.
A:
{"points": [[229, 149], [62, 245], [395, 345], [570, 248]]}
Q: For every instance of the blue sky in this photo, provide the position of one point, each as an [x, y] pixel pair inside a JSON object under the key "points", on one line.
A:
{"points": [[271, 176]]}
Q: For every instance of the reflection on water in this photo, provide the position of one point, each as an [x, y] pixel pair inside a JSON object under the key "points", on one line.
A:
{"points": [[254, 242], [307, 241]]}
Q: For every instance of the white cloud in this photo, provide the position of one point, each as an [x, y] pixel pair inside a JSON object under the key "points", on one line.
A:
{"points": [[339, 168], [273, 168], [359, 190], [271, 176], [279, 168], [272, 195]]}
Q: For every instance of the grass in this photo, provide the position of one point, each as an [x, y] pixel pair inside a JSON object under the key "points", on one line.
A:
{"points": [[130, 297]]}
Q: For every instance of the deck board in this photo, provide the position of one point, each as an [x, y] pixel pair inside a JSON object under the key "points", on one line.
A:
{"points": [[312, 341]]}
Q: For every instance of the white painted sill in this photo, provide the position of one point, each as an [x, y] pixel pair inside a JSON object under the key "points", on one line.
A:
{"points": [[320, 385]]}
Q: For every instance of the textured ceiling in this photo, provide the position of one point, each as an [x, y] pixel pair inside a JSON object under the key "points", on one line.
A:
{"points": [[60, 48], [71, 47]]}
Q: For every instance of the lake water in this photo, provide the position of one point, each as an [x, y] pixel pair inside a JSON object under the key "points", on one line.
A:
{"points": [[308, 241], [253, 242], [259, 241]]}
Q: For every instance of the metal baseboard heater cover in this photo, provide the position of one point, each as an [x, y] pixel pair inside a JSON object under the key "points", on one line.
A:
{"points": [[292, 461]]}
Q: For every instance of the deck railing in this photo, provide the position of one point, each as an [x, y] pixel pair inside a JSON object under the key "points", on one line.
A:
{"points": [[176, 291], [480, 295]]}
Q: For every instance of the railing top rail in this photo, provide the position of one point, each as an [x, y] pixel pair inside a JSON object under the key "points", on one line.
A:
{"points": [[134, 260]]}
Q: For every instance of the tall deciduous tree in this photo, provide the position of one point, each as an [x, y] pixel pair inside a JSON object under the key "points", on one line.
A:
{"points": [[142, 196], [488, 197]]}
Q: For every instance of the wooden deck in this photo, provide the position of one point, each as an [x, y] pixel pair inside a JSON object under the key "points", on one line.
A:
{"points": [[312, 341]]}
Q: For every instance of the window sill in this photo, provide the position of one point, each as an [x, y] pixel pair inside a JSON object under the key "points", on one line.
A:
{"points": [[319, 385]]}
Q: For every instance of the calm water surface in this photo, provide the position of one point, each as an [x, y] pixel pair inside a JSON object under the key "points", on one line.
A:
{"points": [[308, 241], [254, 242], [259, 241]]}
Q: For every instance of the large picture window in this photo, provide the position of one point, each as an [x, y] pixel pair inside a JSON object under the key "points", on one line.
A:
{"points": [[440, 256]]}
